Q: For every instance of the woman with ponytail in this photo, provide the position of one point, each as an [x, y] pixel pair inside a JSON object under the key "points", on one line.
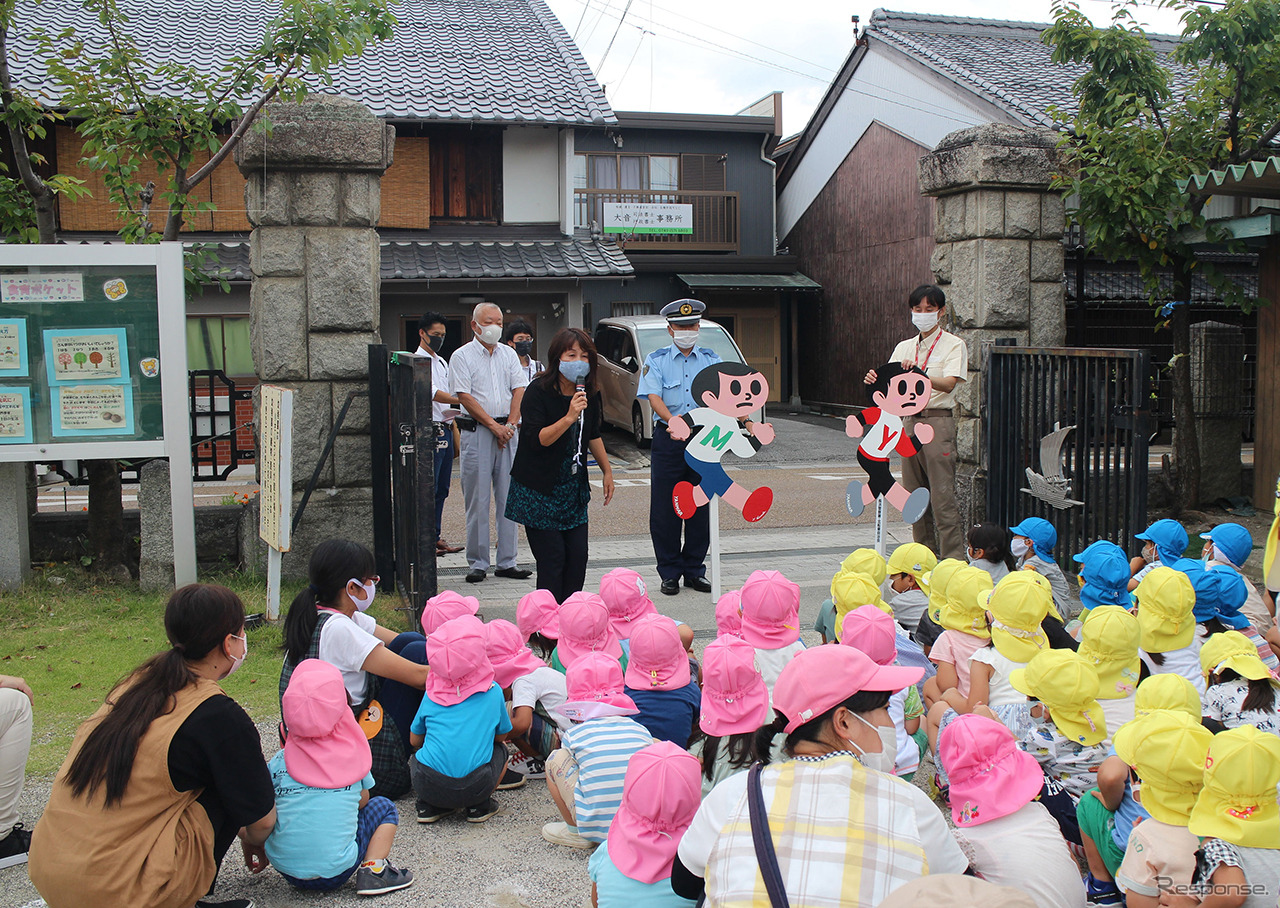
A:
{"points": [[163, 777], [384, 672]]}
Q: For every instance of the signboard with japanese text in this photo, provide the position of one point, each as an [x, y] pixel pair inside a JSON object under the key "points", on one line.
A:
{"points": [[274, 465], [646, 217]]}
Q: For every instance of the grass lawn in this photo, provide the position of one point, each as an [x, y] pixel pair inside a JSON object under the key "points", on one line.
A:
{"points": [[73, 640]]}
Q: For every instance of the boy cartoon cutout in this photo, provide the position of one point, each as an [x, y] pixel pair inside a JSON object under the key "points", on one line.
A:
{"points": [[897, 392], [727, 392]]}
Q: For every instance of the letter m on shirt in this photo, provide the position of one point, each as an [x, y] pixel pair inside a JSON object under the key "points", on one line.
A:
{"points": [[711, 436]]}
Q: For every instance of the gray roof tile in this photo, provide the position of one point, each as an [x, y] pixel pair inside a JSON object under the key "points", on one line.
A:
{"points": [[501, 61], [575, 258]]}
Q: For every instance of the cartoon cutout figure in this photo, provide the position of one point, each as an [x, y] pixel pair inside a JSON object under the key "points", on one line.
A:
{"points": [[728, 393], [897, 392]]}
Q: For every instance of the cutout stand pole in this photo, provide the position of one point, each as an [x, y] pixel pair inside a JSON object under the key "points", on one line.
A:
{"points": [[880, 546], [714, 505]]}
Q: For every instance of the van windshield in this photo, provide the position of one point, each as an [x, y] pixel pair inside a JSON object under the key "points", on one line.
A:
{"points": [[653, 337]]}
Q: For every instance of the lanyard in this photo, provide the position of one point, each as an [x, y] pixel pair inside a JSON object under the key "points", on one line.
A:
{"points": [[923, 367]]}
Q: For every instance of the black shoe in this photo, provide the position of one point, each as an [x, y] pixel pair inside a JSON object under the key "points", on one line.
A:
{"points": [[476, 576], [429, 813], [513, 573], [512, 779], [388, 879], [701, 584], [14, 847], [230, 903], [478, 813], [670, 587]]}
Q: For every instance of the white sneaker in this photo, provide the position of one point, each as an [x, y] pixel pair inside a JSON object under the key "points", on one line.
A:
{"points": [[529, 767], [561, 833]]}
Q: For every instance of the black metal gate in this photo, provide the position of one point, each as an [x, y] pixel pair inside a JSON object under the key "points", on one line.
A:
{"points": [[1066, 439], [404, 496], [215, 448]]}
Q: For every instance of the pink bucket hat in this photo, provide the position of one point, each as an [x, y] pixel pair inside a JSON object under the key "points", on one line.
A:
{"points": [[507, 653], [770, 610], [459, 664], [990, 776], [735, 699], [872, 631], [658, 660], [594, 687], [325, 747], [538, 613], [584, 628], [729, 614], [660, 794], [817, 679], [624, 595], [444, 606]]}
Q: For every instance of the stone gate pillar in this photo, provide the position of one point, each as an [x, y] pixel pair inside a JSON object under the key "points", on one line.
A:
{"points": [[998, 257], [313, 197]]}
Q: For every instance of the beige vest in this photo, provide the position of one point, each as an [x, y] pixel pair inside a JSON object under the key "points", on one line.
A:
{"points": [[154, 848]]}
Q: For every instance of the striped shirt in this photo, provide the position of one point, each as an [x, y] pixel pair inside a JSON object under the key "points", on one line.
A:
{"points": [[602, 747]]}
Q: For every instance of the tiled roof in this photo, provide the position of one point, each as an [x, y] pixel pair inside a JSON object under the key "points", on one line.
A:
{"points": [[1006, 63], [574, 258], [1259, 179], [500, 61]]}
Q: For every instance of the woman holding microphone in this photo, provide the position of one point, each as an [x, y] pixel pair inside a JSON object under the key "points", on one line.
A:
{"points": [[560, 423]]}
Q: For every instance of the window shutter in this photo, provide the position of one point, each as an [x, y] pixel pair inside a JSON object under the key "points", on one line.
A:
{"points": [[702, 172]]}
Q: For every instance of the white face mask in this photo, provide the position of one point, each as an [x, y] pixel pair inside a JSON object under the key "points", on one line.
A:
{"points": [[236, 663], [369, 588], [1019, 547], [685, 339], [490, 334], [885, 760], [924, 321]]}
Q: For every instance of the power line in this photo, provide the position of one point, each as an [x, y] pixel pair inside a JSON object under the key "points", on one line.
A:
{"points": [[639, 44], [621, 19]]}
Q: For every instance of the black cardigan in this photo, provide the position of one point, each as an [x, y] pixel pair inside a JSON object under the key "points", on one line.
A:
{"points": [[538, 466]]}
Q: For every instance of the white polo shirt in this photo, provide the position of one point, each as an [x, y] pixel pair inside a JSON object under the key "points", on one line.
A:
{"points": [[488, 377], [439, 382], [948, 358]]}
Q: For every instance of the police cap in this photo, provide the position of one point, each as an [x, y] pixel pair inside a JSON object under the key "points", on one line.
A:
{"points": [[684, 312]]}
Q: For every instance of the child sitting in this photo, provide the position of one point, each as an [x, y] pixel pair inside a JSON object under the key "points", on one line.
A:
{"points": [[934, 584], [874, 633], [585, 775], [1166, 604], [849, 590], [1165, 542], [1220, 595], [660, 796], [1109, 641], [1240, 690], [965, 631], [461, 726], [1104, 576], [860, 561], [1229, 545], [659, 682], [771, 621], [735, 703], [907, 564], [989, 550], [1000, 825], [1167, 752], [584, 628], [327, 826], [535, 692], [445, 606], [1032, 545], [729, 615], [538, 619], [1238, 822]]}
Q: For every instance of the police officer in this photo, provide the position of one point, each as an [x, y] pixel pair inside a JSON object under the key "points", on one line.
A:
{"points": [[666, 381]]}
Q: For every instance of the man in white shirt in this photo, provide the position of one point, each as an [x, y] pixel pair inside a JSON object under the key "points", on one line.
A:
{"points": [[486, 376], [431, 331]]}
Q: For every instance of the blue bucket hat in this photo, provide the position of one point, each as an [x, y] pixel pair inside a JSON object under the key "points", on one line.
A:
{"points": [[1231, 541], [1105, 569], [1169, 538], [1042, 535], [1220, 592]]}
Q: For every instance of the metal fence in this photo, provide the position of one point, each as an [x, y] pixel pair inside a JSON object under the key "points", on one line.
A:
{"points": [[1066, 440], [218, 424]]}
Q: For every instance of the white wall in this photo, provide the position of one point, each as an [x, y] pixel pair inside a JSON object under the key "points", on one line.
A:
{"points": [[898, 92], [531, 175]]}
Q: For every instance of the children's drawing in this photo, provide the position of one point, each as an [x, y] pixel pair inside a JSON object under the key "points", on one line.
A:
{"points": [[896, 393]]}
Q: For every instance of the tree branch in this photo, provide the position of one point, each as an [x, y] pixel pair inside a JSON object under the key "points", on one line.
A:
{"points": [[1263, 141], [246, 121], [41, 195]]}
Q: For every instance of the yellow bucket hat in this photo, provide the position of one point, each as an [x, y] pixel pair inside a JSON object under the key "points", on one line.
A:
{"points": [[851, 590], [912, 558], [866, 561], [934, 583], [963, 611], [1017, 607], [1068, 686], [1166, 604], [1233, 650], [1167, 751], [1109, 639], [1166, 692], [1238, 802]]}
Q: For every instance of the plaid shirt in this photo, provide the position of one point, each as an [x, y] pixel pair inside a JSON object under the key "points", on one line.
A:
{"points": [[844, 835]]}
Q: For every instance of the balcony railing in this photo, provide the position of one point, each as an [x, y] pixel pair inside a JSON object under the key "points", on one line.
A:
{"points": [[715, 218]]}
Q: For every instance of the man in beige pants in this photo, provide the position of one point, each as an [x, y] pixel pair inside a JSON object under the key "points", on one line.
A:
{"points": [[945, 359]]}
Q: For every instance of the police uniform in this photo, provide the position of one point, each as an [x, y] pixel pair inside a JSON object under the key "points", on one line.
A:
{"points": [[669, 373]]}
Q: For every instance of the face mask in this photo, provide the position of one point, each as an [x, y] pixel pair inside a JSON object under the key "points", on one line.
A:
{"points": [[524, 348], [490, 334], [1149, 554], [435, 342], [236, 663], [686, 339], [370, 589], [924, 321], [576, 370], [1019, 547], [884, 760], [1207, 555]]}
